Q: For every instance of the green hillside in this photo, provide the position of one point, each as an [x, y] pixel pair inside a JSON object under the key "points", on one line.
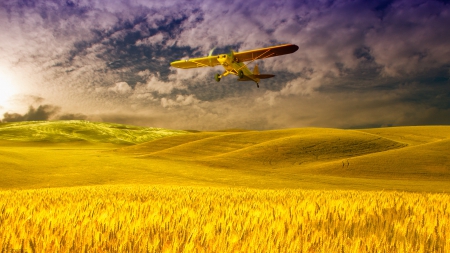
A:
{"points": [[49, 154], [80, 130]]}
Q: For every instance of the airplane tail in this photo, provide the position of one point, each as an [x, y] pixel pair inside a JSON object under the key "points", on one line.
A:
{"points": [[260, 76], [256, 76], [252, 77], [263, 76]]}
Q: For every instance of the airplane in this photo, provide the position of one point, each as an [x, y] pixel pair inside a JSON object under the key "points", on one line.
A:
{"points": [[233, 63]]}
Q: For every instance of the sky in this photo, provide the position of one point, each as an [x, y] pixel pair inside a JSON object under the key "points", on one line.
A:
{"points": [[360, 63]]}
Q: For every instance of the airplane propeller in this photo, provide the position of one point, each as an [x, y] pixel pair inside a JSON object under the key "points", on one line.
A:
{"points": [[209, 55]]}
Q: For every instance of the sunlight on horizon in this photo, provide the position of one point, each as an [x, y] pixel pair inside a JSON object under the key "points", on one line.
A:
{"points": [[8, 88]]}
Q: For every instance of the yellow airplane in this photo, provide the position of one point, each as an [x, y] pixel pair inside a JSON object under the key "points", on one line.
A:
{"points": [[233, 62]]}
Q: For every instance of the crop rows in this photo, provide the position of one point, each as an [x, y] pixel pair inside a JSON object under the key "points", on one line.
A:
{"points": [[201, 219]]}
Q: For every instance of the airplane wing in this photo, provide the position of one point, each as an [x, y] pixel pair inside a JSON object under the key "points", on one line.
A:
{"points": [[267, 52], [209, 61]]}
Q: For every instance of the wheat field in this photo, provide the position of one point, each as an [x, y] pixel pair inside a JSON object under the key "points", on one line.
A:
{"points": [[76, 186], [133, 218]]}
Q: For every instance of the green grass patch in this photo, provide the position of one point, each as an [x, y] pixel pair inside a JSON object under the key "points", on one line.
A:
{"points": [[81, 131]]}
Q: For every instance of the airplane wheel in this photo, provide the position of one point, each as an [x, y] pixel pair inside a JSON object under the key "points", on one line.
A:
{"points": [[241, 74], [217, 77]]}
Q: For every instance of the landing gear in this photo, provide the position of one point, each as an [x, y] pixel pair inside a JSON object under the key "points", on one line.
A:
{"points": [[257, 85], [241, 74], [217, 77]]}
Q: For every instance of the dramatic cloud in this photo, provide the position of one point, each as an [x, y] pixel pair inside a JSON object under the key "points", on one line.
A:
{"points": [[359, 63], [42, 112]]}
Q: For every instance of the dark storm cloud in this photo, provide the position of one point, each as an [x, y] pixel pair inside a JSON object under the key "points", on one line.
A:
{"points": [[42, 112], [113, 58]]}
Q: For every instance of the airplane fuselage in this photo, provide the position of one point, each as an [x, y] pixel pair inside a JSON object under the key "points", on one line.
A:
{"points": [[232, 65]]}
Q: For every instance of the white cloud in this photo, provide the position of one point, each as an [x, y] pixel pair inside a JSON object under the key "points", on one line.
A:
{"points": [[121, 88], [180, 100], [154, 84], [302, 85]]}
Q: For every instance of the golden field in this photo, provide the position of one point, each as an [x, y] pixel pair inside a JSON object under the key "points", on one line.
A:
{"points": [[79, 186], [204, 219], [81, 153]]}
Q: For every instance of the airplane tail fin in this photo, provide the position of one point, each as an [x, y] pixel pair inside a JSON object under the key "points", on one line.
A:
{"points": [[256, 73], [256, 70], [256, 76]]}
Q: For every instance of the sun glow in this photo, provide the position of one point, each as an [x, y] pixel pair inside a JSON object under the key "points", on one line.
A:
{"points": [[7, 87]]}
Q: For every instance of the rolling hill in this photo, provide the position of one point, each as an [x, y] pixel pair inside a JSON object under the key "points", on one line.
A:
{"points": [[399, 152], [266, 149], [396, 158]]}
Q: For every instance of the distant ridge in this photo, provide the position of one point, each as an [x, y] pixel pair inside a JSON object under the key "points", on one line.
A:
{"points": [[81, 130], [232, 130]]}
